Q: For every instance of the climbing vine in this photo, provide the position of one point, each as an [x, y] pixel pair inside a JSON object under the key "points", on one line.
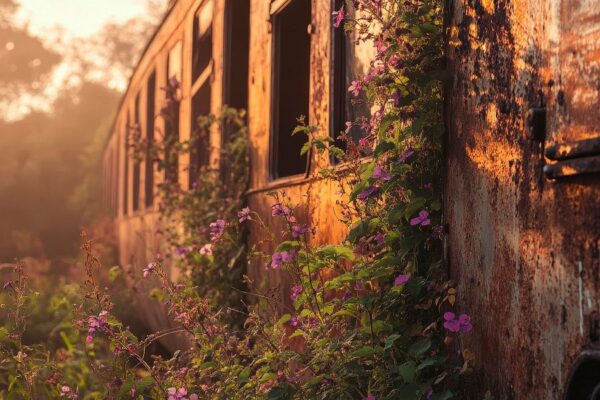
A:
{"points": [[374, 317]]}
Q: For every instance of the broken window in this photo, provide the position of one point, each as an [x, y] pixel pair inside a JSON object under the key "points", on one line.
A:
{"points": [[149, 165], [202, 45], [172, 115], [291, 83], [200, 150], [126, 168], [351, 61], [237, 38], [136, 130], [201, 89]]}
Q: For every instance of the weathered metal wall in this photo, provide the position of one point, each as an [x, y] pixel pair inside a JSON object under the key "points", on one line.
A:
{"points": [[523, 249]]}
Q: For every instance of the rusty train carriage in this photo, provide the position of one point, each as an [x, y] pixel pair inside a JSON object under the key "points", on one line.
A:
{"points": [[522, 187], [273, 58]]}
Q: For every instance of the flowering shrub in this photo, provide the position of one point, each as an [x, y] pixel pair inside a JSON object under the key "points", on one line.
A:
{"points": [[373, 317]]}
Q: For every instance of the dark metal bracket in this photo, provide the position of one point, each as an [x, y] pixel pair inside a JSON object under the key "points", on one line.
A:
{"points": [[573, 158]]}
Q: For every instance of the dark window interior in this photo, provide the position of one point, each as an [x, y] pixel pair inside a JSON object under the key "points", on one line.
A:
{"points": [[346, 68], [116, 179], [238, 42], [202, 50], [126, 169], [136, 161], [291, 87], [201, 144], [236, 73], [150, 117], [171, 138]]}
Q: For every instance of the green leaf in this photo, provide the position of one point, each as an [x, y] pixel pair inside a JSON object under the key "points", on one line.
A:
{"points": [[409, 392], [144, 383], [287, 246], [415, 205], [296, 333], [125, 389], [419, 347], [430, 362], [386, 122], [407, 371], [284, 318], [337, 252], [445, 395], [389, 342], [364, 351], [66, 340], [383, 147], [305, 148]]}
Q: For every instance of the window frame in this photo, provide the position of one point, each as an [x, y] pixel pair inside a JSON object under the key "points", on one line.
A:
{"points": [[276, 8]]}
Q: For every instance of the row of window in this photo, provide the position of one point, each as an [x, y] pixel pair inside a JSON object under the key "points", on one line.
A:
{"points": [[290, 96]]}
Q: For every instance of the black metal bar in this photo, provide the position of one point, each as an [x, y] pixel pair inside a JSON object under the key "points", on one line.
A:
{"points": [[578, 166], [568, 150]]}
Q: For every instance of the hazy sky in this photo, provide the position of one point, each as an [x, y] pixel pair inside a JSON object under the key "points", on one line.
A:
{"points": [[77, 17]]}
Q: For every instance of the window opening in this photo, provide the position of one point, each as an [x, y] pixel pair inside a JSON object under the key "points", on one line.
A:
{"points": [[291, 85]]}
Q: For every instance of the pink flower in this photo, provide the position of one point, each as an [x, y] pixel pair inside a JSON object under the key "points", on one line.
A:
{"points": [[406, 154], [244, 215], [132, 392], [401, 279], [194, 397], [380, 173], [428, 393], [206, 250], [89, 339], [421, 219], [370, 398], [355, 87], [348, 127], [217, 229], [296, 291], [379, 239], [299, 230], [370, 191], [150, 268], [278, 210], [338, 16], [66, 391], [278, 259], [462, 324]]}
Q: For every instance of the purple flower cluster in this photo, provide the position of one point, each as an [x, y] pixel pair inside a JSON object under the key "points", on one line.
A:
{"points": [[95, 323], [421, 219], [460, 324], [355, 87], [401, 279], [68, 393], [406, 154], [182, 251], [370, 191], [279, 210], [338, 17], [206, 250], [278, 259], [217, 229], [150, 269], [244, 215], [180, 394], [299, 230], [381, 174], [296, 292]]}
